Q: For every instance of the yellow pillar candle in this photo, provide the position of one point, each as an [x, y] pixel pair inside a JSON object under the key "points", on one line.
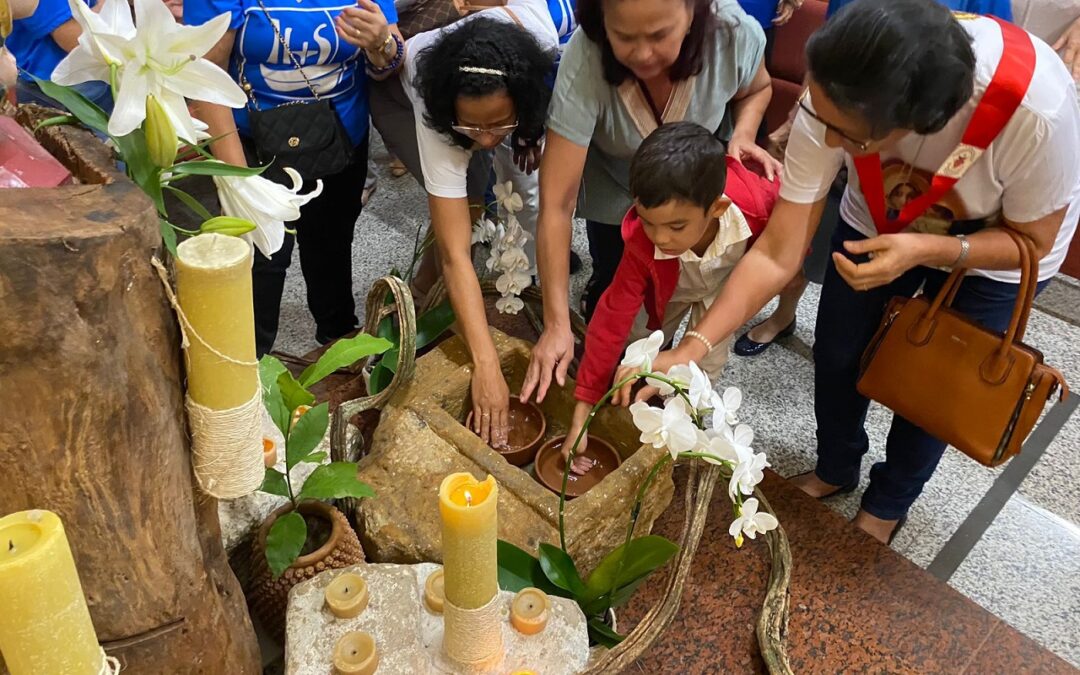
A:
{"points": [[45, 626], [469, 510], [213, 286]]}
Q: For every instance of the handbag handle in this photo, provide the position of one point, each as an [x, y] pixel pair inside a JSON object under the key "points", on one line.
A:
{"points": [[997, 364]]}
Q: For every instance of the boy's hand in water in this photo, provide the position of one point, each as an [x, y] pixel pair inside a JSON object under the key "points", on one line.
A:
{"points": [[581, 463]]}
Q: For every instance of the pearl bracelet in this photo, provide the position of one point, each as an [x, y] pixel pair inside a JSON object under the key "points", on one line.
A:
{"points": [[698, 336]]}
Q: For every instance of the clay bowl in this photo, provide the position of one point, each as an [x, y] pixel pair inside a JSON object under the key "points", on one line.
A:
{"points": [[527, 427], [549, 466]]}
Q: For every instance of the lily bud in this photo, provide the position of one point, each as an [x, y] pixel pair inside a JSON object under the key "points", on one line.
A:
{"points": [[227, 225], [160, 136]]}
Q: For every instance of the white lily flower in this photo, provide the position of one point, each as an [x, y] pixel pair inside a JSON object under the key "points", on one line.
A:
{"points": [[509, 304], [725, 407], [670, 427], [507, 198], [265, 203], [483, 231], [513, 282], [750, 522], [641, 353], [161, 58]]}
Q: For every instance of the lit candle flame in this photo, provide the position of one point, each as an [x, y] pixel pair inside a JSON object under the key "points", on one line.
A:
{"points": [[468, 498]]}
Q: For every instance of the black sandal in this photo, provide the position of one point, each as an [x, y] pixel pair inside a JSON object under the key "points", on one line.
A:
{"points": [[745, 346]]}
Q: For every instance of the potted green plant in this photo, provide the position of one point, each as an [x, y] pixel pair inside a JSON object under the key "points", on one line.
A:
{"points": [[682, 426], [307, 535]]}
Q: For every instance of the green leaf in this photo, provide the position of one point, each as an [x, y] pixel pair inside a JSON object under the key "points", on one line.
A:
{"points": [[315, 457], [59, 120], [168, 236], [644, 556], [190, 202], [433, 323], [343, 353], [559, 568], [518, 570], [389, 360], [285, 541], [78, 105], [335, 481], [274, 483], [306, 435], [214, 168], [601, 634], [381, 377], [269, 370], [293, 392]]}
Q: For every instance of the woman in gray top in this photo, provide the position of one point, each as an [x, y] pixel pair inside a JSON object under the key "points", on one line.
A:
{"points": [[633, 65]]}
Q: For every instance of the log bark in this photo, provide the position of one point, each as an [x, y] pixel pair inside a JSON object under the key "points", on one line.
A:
{"points": [[91, 391]]}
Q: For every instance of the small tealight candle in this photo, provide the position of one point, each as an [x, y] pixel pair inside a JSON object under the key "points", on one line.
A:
{"points": [[434, 596], [269, 452], [529, 611], [347, 595], [356, 654]]}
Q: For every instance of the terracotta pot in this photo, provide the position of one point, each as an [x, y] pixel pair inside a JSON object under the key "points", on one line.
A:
{"points": [[269, 597], [549, 465], [527, 427]]}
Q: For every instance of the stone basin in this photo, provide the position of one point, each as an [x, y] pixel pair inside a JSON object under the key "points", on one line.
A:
{"points": [[421, 438]]}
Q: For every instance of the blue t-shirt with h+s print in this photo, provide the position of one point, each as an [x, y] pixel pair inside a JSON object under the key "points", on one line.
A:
{"points": [[334, 68]]}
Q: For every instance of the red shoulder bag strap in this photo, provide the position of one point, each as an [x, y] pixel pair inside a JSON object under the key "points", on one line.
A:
{"points": [[1001, 99]]}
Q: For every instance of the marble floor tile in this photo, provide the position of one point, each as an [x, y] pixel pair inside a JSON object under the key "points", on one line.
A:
{"points": [[1026, 570]]}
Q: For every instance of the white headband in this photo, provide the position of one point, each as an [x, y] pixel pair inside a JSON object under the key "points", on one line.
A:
{"points": [[481, 71]]}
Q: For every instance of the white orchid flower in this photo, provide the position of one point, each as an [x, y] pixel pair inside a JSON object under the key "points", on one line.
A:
{"points": [[671, 427], [507, 198], [692, 380], [513, 259], [747, 474], [725, 407], [513, 282], [720, 447], [265, 203], [641, 353], [483, 231], [509, 304], [750, 522], [161, 58]]}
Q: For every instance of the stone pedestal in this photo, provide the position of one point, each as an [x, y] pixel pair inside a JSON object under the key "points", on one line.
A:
{"points": [[408, 635], [421, 439]]}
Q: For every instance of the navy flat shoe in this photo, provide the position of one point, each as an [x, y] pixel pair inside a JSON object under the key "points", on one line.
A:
{"points": [[896, 529], [744, 346], [842, 490]]}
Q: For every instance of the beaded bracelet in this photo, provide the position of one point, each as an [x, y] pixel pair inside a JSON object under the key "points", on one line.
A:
{"points": [[698, 336], [394, 63]]}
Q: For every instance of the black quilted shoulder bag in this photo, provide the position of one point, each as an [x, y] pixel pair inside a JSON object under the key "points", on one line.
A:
{"points": [[307, 136]]}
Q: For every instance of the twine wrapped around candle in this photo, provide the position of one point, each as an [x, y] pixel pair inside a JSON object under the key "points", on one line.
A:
{"points": [[473, 636], [110, 665], [226, 443]]}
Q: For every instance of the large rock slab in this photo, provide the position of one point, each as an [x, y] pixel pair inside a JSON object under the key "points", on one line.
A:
{"points": [[421, 438], [408, 635]]}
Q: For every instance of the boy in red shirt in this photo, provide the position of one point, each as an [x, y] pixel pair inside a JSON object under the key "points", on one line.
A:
{"points": [[695, 213]]}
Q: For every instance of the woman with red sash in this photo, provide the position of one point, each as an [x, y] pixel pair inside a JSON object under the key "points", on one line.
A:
{"points": [[952, 127]]}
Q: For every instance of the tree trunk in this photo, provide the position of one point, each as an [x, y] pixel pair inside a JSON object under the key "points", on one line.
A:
{"points": [[94, 429]]}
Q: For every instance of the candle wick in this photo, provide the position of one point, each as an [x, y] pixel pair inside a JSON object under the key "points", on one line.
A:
{"points": [[468, 498], [11, 545]]}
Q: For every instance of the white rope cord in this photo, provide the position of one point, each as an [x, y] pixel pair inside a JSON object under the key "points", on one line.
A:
{"points": [[110, 665], [226, 447], [473, 636]]}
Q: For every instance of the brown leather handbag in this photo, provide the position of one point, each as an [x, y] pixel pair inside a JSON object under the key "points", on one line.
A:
{"points": [[974, 388]]}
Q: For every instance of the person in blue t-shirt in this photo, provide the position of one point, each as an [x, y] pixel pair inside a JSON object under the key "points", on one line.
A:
{"points": [[336, 70], [999, 8], [770, 13], [39, 42]]}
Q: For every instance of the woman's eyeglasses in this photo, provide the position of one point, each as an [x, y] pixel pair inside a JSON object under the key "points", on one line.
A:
{"points": [[476, 133], [861, 145]]}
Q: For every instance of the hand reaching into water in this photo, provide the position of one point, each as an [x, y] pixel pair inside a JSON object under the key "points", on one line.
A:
{"points": [[581, 463]]}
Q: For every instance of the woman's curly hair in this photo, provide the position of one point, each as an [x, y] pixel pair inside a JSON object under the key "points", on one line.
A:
{"points": [[485, 43]]}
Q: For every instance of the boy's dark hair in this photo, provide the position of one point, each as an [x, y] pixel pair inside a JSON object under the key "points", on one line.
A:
{"points": [[485, 43], [899, 64], [704, 28], [681, 160]]}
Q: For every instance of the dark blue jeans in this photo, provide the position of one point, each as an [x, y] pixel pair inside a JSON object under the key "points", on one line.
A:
{"points": [[847, 320]]}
